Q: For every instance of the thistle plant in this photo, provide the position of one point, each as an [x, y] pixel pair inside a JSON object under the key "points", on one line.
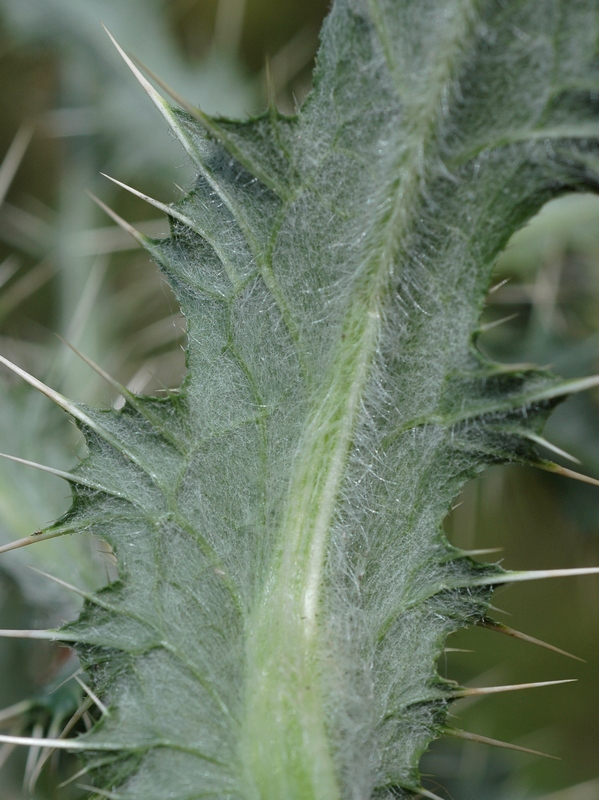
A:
{"points": [[285, 587]]}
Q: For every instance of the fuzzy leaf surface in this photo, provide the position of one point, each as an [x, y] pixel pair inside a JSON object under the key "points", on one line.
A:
{"points": [[285, 585]]}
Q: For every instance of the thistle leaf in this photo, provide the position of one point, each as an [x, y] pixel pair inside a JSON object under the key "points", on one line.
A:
{"points": [[285, 588]]}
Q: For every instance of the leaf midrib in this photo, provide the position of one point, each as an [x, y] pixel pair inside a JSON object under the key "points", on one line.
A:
{"points": [[373, 288], [286, 616]]}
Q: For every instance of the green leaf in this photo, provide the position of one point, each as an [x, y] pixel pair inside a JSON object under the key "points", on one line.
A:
{"points": [[285, 586]]}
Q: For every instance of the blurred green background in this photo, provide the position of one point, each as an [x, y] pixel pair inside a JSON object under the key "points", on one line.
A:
{"points": [[71, 110]]}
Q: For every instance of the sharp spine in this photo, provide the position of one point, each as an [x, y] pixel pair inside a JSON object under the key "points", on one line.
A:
{"points": [[16, 710], [66, 680], [12, 160], [139, 237], [96, 367], [93, 696], [63, 744], [497, 322], [544, 443], [505, 629], [44, 755], [76, 413], [60, 582], [170, 211], [127, 394], [160, 103], [32, 758], [83, 709], [75, 777], [39, 537], [215, 130], [5, 752], [498, 286], [50, 635], [59, 473], [271, 92], [569, 387], [99, 792], [173, 212], [425, 793], [517, 576], [549, 466], [67, 476], [484, 690], [60, 400], [475, 737], [90, 597]]}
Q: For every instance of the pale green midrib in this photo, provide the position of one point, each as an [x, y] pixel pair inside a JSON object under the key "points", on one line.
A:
{"points": [[292, 597], [371, 292], [308, 469]]}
